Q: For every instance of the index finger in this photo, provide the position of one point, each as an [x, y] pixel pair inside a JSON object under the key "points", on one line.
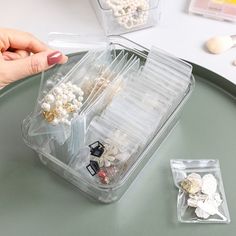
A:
{"points": [[24, 41]]}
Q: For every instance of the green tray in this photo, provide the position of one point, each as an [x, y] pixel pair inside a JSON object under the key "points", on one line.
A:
{"points": [[36, 202]]}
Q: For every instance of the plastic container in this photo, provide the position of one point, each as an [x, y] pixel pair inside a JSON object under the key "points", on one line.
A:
{"points": [[69, 155], [217, 9], [120, 22]]}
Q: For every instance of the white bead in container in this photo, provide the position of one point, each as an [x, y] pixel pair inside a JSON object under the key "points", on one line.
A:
{"points": [[123, 16]]}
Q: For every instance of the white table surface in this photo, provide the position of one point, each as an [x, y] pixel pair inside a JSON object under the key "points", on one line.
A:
{"points": [[178, 32]]}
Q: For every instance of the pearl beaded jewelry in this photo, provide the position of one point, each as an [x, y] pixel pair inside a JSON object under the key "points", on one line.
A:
{"points": [[130, 13], [60, 105]]}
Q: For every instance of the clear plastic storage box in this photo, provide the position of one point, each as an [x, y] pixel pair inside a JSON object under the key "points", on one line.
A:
{"points": [[99, 118], [118, 17]]}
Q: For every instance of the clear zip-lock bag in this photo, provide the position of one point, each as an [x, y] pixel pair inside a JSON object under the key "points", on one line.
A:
{"points": [[107, 110], [201, 197]]}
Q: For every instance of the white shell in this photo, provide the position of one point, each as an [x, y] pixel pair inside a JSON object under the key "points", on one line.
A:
{"points": [[201, 214], [209, 206], [209, 184]]}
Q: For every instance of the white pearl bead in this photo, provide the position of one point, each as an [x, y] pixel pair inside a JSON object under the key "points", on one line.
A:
{"points": [[60, 109], [59, 103], [55, 122], [46, 106], [79, 104], [50, 98], [70, 97], [64, 98], [81, 93], [66, 91], [74, 107], [73, 96], [74, 87], [80, 99], [63, 85], [57, 91], [67, 122], [63, 112], [69, 84], [59, 98]]}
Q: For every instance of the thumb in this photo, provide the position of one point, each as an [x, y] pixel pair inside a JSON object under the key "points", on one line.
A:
{"points": [[18, 69]]}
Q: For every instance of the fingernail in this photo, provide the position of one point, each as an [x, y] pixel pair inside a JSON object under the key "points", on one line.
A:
{"points": [[54, 58]]}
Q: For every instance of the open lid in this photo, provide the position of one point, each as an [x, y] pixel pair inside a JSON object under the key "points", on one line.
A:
{"points": [[74, 43]]}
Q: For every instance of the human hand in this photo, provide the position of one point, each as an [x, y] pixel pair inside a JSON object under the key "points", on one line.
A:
{"points": [[22, 55]]}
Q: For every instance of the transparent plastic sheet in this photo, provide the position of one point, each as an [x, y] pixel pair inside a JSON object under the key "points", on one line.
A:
{"points": [[39, 126], [112, 89], [201, 197], [99, 101], [108, 74], [120, 148]]}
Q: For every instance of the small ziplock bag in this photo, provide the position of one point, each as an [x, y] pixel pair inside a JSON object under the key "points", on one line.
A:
{"points": [[201, 197]]}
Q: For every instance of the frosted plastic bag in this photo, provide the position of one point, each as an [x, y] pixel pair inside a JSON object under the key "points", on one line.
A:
{"points": [[201, 197]]}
